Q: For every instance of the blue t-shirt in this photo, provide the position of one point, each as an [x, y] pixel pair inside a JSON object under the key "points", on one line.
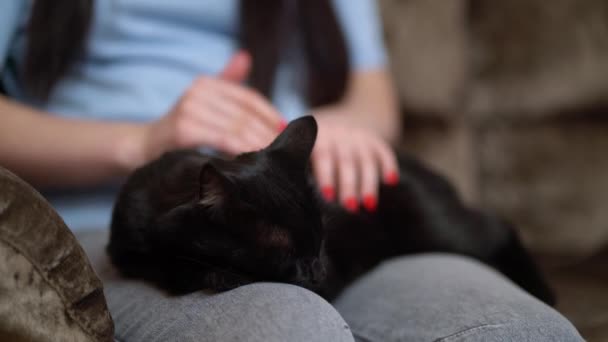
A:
{"points": [[143, 54]]}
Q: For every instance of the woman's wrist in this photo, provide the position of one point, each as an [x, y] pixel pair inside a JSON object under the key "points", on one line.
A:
{"points": [[360, 116], [130, 148], [369, 102]]}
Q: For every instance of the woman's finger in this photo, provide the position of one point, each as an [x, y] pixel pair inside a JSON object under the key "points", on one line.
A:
{"points": [[250, 140], [228, 117], [368, 171], [388, 161], [323, 164], [241, 122], [236, 111], [248, 123], [247, 98], [347, 176], [205, 113], [238, 67], [192, 134]]}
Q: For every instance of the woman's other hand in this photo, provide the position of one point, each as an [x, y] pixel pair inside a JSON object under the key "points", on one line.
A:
{"points": [[216, 112], [350, 161]]}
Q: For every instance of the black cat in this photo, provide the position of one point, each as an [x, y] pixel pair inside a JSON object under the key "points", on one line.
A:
{"points": [[188, 221]]}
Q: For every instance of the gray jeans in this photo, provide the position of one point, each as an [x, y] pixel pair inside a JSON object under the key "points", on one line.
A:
{"points": [[430, 297]]}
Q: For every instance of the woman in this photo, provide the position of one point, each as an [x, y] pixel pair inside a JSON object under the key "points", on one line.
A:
{"points": [[101, 88]]}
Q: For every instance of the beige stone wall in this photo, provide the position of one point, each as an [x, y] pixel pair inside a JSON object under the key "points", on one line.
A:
{"points": [[509, 99]]}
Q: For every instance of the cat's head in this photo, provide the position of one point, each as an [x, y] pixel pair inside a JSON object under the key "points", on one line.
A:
{"points": [[262, 215]]}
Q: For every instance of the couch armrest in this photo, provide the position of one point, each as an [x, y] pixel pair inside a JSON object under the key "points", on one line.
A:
{"points": [[48, 290]]}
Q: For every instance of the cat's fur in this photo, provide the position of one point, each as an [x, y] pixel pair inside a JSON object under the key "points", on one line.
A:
{"points": [[188, 221]]}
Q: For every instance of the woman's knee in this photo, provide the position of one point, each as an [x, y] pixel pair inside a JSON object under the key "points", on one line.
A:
{"points": [[449, 297], [438, 262], [544, 325], [256, 312], [433, 272], [538, 323], [289, 312]]}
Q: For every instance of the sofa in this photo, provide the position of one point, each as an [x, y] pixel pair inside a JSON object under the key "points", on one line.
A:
{"points": [[48, 289], [509, 99]]}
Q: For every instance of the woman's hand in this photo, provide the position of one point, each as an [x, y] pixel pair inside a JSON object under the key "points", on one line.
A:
{"points": [[351, 159], [216, 112]]}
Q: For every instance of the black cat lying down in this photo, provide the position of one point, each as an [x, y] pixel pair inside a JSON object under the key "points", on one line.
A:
{"points": [[188, 221]]}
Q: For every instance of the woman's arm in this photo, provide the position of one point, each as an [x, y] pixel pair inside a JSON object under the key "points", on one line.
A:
{"points": [[352, 154], [218, 112], [370, 101], [47, 150]]}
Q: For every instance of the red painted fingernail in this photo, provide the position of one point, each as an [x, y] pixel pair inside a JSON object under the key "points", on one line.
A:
{"points": [[392, 178], [370, 203], [328, 193], [282, 125], [351, 204]]}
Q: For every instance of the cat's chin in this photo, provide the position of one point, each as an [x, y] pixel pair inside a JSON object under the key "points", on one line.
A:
{"points": [[222, 281], [310, 273]]}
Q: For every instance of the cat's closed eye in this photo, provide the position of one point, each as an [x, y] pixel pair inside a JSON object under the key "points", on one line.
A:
{"points": [[275, 240], [275, 237]]}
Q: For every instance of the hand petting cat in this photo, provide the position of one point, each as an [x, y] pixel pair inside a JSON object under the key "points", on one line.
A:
{"points": [[216, 112], [352, 159], [352, 156]]}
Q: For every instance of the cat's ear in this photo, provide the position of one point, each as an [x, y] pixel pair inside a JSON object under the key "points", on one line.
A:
{"points": [[297, 140], [215, 188]]}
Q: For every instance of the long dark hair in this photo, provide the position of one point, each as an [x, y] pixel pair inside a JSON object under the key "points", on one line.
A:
{"points": [[58, 30]]}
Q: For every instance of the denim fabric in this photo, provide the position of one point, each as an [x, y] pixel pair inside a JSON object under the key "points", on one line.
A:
{"points": [[430, 297], [440, 297]]}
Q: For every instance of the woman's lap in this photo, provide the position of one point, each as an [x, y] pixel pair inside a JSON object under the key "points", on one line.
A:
{"points": [[257, 312], [440, 297], [415, 298]]}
